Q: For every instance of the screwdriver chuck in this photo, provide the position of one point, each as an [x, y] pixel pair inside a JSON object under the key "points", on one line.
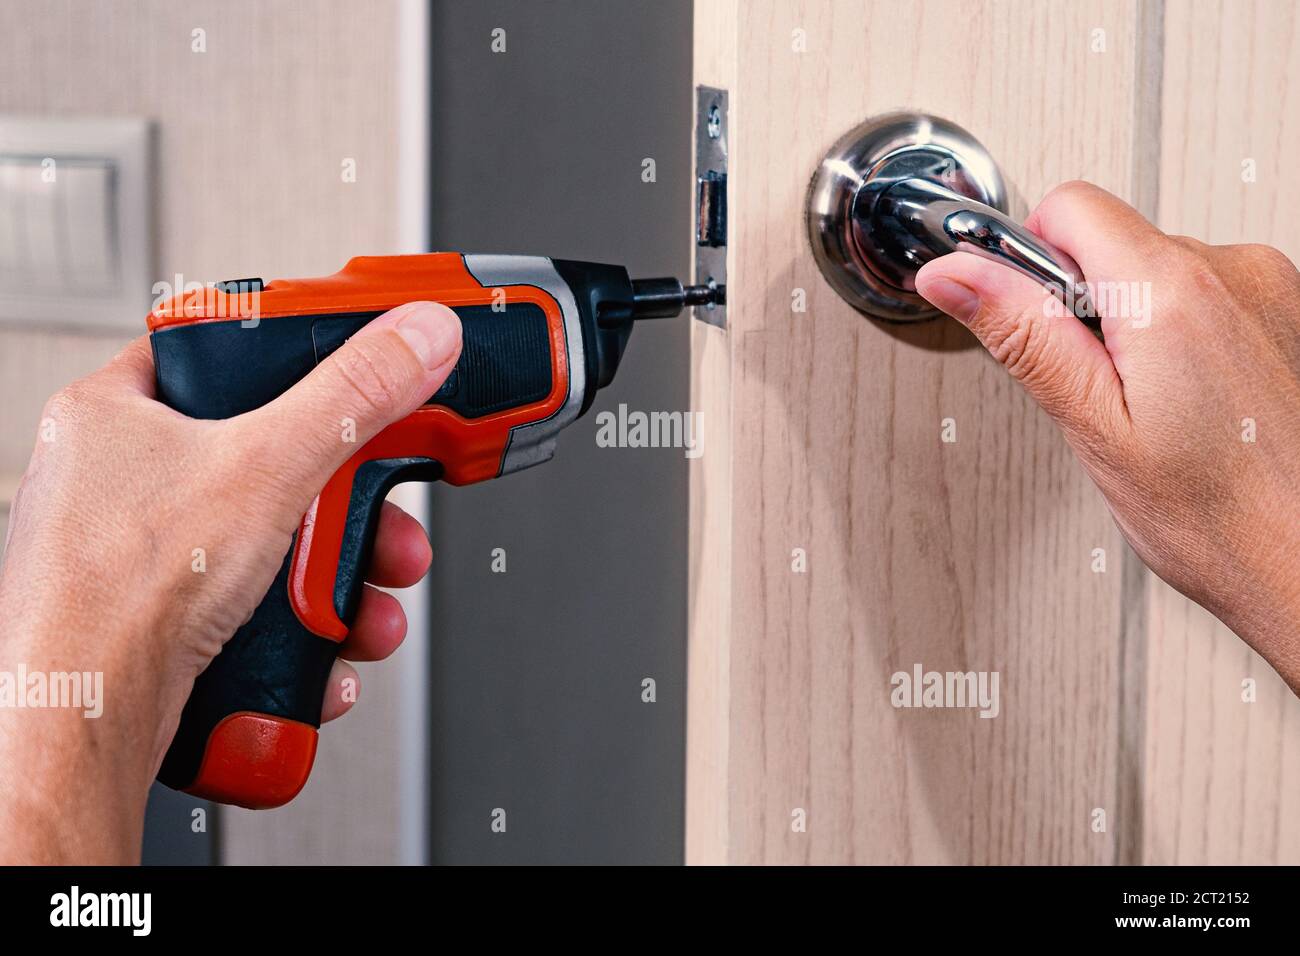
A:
{"points": [[665, 298]]}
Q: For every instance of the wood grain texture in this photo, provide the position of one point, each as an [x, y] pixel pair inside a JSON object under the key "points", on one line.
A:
{"points": [[966, 556], [252, 135], [1222, 781]]}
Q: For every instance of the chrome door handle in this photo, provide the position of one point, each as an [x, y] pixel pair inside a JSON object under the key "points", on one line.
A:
{"points": [[901, 189]]}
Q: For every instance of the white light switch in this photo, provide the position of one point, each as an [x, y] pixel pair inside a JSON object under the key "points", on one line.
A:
{"points": [[75, 246], [88, 253]]}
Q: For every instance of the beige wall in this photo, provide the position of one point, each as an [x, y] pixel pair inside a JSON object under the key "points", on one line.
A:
{"points": [[251, 135]]}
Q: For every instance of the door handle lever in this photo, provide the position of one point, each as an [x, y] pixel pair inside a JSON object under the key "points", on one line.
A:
{"points": [[902, 189]]}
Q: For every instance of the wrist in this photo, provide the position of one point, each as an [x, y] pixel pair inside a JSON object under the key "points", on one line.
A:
{"points": [[1264, 609], [71, 797], [77, 724]]}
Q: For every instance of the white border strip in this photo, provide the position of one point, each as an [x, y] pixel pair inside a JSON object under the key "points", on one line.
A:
{"points": [[412, 202]]}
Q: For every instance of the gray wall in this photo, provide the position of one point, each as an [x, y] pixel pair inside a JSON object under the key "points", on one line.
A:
{"points": [[536, 682]]}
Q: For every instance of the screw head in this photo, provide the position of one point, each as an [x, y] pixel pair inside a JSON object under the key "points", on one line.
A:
{"points": [[714, 126]]}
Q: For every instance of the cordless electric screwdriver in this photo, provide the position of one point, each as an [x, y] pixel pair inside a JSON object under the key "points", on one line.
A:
{"points": [[540, 336]]}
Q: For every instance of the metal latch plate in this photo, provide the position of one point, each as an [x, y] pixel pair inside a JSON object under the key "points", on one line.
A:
{"points": [[711, 197]]}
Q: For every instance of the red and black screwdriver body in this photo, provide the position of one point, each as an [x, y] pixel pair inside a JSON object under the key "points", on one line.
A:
{"points": [[539, 337]]}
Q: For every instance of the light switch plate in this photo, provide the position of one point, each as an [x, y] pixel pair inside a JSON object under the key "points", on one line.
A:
{"points": [[76, 243]]}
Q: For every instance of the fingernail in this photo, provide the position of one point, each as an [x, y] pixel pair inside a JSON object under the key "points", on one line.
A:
{"points": [[431, 330], [957, 300]]}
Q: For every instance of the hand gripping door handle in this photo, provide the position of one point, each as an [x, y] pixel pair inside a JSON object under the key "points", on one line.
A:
{"points": [[902, 189]]}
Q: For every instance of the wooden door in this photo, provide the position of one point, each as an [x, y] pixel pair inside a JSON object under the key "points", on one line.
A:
{"points": [[836, 537]]}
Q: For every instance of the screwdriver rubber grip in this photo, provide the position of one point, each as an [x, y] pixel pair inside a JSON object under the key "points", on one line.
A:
{"points": [[248, 732]]}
